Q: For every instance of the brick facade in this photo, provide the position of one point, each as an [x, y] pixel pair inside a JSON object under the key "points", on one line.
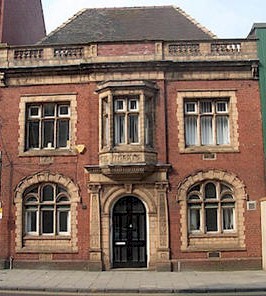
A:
{"points": [[96, 169]]}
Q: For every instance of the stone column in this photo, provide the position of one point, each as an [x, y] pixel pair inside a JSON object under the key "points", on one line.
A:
{"points": [[95, 251], [163, 252]]}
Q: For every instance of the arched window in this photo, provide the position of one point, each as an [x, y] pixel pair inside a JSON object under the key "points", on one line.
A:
{"points": [[211, 208], [46, 210]]}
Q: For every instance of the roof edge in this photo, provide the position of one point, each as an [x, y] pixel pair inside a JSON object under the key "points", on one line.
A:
{"points": [[200, 26], [256, 26], [63, 24]]}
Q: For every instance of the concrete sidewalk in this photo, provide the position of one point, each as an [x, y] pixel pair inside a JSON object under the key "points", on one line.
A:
{"points": [[133, 281]]}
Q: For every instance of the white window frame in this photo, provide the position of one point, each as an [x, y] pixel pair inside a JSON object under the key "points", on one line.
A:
{"points": [[199, 115], [220, 95], [55, 206], [126, 112], [27, 211], [204, 204], [41, 119], [59, 211]]}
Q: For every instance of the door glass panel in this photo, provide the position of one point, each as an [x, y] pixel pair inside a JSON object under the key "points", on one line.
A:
{"points": [[123, 227], [135, 227], [142, 256], [135, 254], [142, 230]]}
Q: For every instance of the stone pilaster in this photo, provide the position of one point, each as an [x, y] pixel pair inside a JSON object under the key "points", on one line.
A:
{"points": [[95, 251], [163, 252]]}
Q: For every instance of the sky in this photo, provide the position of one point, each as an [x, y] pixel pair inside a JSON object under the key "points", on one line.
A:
{"points": [[224, 18]]}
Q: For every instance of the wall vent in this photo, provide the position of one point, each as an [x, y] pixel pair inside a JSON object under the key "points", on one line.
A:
{"points": [[209, 156], [251, 205], [214, 255]]}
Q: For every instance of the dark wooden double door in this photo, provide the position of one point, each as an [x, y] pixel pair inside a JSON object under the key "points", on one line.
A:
{"points": [[129, 233]]}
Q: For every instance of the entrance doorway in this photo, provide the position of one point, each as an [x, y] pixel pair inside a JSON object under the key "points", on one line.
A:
{"points": [[129, 233]]}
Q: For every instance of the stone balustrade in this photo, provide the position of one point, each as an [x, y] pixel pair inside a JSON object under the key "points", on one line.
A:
{"points": [[211, 50]]}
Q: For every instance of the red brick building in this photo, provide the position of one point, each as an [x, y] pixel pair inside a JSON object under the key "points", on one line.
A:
{"points": [[131, 137]]}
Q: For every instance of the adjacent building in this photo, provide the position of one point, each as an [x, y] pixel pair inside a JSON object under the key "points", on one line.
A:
{"points": [[258, 33], [21, 22], [130, 138]]}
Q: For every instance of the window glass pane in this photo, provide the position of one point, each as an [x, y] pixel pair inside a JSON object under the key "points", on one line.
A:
{"points": [[119, 105], [211, 219], [34, 111], [48, 193], [63, 199], [63, 110], [210, 191], [194, 223], [206, 130], [227, 196], [133, 105], [119, 129], [133, 128], [191, 107], [105, 122], [47, 222], [205, 107], [194, 188], [33, 134], [31, 221], [63, 133], [31, 199], [222, 130], [63, 221], [148, 130], [194, 197], [228, 218], [48, 133], [148, 122], [225, 188], [60, 189], [105, 130], [221, 107], [191, 131], [48, 110]]}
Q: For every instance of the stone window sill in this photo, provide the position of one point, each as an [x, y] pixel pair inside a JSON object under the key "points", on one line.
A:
{"points": [[48, 152], [47, 237], [209, 149], [213, 235]]}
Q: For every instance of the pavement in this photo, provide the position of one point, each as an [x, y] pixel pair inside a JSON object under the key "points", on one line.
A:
{"points": [[133, 282]]}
